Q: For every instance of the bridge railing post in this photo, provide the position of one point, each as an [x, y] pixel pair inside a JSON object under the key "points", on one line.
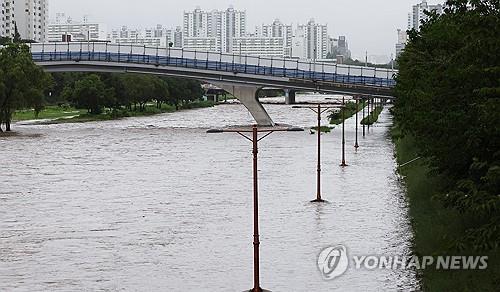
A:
{"points": [[208, 57], [43, 51], [310, 69], [130, 54], [144, 55], [106, 54], [195, 60], [81, 49], [157, 61], [219, 66], [233, 69], [335, 77], [246, 64], [119, 52], [272, 66], [323, 71], [68, 53], [375, 76], [167, 54], [258, 66], [348, 74], [182, 57], [297, 70]]}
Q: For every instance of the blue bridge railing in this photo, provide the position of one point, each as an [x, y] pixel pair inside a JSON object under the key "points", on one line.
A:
{"points": [[173, 57]]}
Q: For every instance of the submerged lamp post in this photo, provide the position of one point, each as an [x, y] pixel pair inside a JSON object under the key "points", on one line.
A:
{"points": [[343, 164], [364, 126], [319, 110], [356, 144], [255, 130]]}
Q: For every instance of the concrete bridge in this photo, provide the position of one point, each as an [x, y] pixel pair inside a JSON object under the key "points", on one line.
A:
{"points": [[242, 76]]}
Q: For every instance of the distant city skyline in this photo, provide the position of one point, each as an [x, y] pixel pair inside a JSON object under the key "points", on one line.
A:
{"points": [[368, 25]]}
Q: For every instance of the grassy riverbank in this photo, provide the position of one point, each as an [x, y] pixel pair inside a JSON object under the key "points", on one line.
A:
{"points": [[350, 110], [61, 115], [372, 118], [50, 112], [435, 227]]}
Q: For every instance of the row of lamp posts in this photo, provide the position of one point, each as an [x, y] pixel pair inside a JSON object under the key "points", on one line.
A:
{"points": [[266, 131]]}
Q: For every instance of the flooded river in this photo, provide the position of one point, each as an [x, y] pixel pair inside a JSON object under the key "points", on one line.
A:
{"points": [[156, 204]]}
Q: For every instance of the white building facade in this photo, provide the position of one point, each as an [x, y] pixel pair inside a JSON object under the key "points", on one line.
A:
{"points": [[200, 28], [63, 26], [401, 44], [310, 41], [158, 36], [29, 16], [259, 46], [277, 31], [418, 13]]}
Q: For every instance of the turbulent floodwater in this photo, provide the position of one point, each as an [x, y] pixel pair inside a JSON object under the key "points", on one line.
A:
{"points": [[156, 204]]}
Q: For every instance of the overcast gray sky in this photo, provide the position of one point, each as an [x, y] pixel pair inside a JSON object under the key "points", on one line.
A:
{"points": [[368, 24]]}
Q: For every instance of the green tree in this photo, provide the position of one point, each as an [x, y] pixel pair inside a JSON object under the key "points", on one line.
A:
{"points": [[22, 83], [449, 99], [91, 93]]}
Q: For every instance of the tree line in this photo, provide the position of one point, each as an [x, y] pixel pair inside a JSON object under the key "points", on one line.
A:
{"points": [[448, 98], [24, 85], [122, 91]]}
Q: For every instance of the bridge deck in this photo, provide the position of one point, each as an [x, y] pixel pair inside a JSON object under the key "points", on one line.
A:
{"points": [[286, 68]]}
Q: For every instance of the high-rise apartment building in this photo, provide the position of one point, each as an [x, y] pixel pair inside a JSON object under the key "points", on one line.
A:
{"points": [[311, 41], [401, 44], [202, 29], [29, 16], [418, 13], [415, 18], [277, 30]]}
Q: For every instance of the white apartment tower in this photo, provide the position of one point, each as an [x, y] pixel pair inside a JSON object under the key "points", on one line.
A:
{"points": [[278, 30], [31, 18], [418, 13], [311, 41], [7, 27], [215, 29], [402, 40]]}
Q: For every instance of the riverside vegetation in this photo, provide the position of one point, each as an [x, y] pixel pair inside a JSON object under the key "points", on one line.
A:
{"points": [[26, 90], [447, 113]]}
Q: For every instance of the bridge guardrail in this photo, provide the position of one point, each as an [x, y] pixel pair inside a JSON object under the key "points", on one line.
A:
{"points": [[276, 67]]}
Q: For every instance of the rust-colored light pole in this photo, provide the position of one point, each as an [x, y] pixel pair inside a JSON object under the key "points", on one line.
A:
{"points": [[318, 179], [364, 116], [319, 110], [255, 130], [343, 164], [256, 240], [356, 145], [370, 107]]}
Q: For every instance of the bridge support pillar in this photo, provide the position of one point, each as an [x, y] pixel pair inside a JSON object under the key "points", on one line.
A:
{"points": [[247, 95], [290, 96]]}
